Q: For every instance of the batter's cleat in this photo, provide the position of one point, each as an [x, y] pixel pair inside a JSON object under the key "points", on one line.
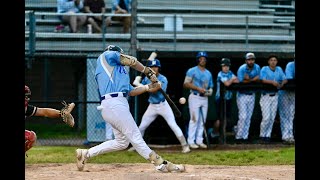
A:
{"points": [[131, 149], [194, 146], [202, 145], [81, 158], [185, 149], [167, 166]]}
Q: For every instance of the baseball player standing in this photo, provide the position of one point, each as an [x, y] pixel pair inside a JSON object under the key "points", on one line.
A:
{"points": [[226, 77], [275, 76], [247, 73], [199, 80], [113, 82], [159, 106], [30, 110], [287, 106]]}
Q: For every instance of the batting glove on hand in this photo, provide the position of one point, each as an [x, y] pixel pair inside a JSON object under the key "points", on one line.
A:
{"points": [[151, 75]]}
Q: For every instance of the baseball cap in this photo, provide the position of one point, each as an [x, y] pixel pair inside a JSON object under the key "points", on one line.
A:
{"points": [[250, 56]]}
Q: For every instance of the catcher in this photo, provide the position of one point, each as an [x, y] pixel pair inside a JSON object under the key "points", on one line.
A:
{"points": [[30, 110]]}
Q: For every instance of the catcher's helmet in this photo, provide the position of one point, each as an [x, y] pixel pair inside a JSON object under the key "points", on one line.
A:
{"points": [[250, 56], [114, 48], [225, 62], [27, 91], [154, 62]]}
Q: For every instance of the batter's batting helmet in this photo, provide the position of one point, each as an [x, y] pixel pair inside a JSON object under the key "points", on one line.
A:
{"points": [[225, 62], [154, 62], [201, 54], [250, 56], [114, 48]]}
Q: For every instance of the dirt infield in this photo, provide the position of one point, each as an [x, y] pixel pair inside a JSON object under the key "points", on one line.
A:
{"points": [[145, 171]]}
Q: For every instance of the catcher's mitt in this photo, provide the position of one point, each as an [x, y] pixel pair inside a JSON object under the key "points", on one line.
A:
{"points": [[30, 138], [66, 113]]}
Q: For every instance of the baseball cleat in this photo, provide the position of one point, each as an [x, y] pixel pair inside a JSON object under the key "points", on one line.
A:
{"points": [[81, 158], [194, 146], [131, 149], [202, 145], [168, 166], [185, 149]]}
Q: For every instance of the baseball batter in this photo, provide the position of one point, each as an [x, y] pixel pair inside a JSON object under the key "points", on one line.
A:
{"points": [[30, 110], [158, 106], [114, 87], [247, 73], [287, 106], [275, 76], [199, 80]]}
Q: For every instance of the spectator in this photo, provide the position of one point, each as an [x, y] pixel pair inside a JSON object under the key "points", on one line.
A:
{"points": [[287, 106], [199, 80], [247, 73], [121, 7], [71, 7], [95, 6], [226, 77], [275, 76]]}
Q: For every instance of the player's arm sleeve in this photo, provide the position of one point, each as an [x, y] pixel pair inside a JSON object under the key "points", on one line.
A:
{"points": [[263, 74], [240, 74], [164, 84]]}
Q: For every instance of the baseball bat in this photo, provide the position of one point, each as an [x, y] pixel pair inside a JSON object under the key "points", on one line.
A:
{"points": [[174, 108], [204, 127]]}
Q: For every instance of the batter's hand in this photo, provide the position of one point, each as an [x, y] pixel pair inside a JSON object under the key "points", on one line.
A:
{"points": [[151, 75], [153, 87]]}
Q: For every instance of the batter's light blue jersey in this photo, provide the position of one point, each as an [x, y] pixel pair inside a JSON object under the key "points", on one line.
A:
{"points": [[200, 78], [222, 76], [110, 75], [290, 70], [157, 97], [276, 75]]}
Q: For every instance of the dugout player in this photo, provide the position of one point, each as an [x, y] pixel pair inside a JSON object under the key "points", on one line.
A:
{"points": [[226, 77], [287, 106], [199, 80], [30, 110], [247, 73], [274, 75], [158, 106], [113, 83]]}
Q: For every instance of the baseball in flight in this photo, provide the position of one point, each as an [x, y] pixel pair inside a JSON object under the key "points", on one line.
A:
{"points": [[182, 100]]}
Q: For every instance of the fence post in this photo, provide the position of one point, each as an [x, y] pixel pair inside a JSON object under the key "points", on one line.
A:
{"points": [[175, 31], [247, 36], [104, 30], [32, 37], [223, 125]]}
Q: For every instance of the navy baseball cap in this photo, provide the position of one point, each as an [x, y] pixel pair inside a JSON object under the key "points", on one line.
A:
{"points": [[250, 56]]}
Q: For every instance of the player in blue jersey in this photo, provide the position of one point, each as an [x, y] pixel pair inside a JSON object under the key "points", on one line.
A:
{"points": [[114, 87], [274, 75], [287, 107], [199, 80], [226, 77], [247, 73], [158, 106]]}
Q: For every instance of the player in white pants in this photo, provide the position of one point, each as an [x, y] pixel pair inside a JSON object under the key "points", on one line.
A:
{"points": [[247, 73], [158, 106], [274, 75], [199, 80], [109, 133], [287, 107], [114, 86]]}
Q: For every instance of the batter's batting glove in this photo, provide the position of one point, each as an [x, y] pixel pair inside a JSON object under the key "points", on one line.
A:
{"points": [[151, 75], [66, 113]]}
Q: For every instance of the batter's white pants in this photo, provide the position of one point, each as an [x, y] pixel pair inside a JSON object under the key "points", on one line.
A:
{"points": [[195, 129], [286, 113], [163, 109], [245, 105], [109, 132], [117, 113], [269, 105]]}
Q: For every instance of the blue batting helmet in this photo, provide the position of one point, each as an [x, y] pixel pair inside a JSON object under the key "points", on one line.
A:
{"points": [[201, 54], [154, 62]]}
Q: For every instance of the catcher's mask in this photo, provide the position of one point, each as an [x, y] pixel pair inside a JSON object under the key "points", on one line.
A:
{"points": [[27, 92], [114, 48]]}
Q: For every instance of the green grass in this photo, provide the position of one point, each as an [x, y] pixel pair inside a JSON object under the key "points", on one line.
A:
{"points": [[66, 154]]}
